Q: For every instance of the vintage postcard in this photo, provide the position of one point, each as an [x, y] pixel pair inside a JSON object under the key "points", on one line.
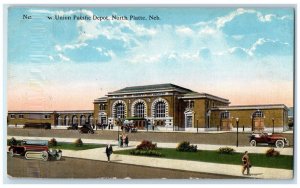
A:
{"points": [[150, 92]]}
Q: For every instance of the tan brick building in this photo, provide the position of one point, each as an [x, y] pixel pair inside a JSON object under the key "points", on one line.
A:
{"points": [[166, 107]]}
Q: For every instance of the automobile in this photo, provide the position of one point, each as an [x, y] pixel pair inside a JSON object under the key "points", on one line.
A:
{"points": [[129, 128], [35, 149], [37, 125], [268, 139], [73, 127], [86, 128]]}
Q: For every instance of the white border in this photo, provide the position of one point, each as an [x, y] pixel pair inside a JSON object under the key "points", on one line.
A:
{"points": [[218, 3]]}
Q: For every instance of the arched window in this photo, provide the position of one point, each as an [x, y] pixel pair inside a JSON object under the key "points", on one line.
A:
{"points": [[160, 109], [139, 109], [120, 110], [258, 114], [225, 115]]}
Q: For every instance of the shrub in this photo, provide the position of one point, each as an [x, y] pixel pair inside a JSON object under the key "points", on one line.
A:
{"points": [[146, 145], [146, 153], [186, 147], [272, 153], [52, 142], [12, 142], [226, 150], [78, 142]]}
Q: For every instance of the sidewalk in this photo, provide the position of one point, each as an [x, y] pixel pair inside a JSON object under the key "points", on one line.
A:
{"points": [[242, 149], [195, 166]]}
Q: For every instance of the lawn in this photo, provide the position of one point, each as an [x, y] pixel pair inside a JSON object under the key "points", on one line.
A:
{"points": [[257, 160], [71, 146]]}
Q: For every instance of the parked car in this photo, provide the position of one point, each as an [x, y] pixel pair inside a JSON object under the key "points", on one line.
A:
{"points": [[73, 127], [38, 125], [86, 128], [35, 149], [268, 139]]}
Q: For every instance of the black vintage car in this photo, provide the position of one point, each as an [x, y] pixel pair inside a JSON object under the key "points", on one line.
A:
{"points": [[86, 128]]}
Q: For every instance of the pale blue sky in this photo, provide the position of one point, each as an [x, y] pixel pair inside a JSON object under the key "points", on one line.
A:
{"points": [[229, 52]]}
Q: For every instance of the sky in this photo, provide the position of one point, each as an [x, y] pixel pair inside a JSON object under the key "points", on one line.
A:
{"points": [[245, 55]]}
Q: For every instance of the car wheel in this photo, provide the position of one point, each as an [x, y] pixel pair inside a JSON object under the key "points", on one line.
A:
{"points": [[45, 155], [279, 144], [253, 143], [11, 152]]}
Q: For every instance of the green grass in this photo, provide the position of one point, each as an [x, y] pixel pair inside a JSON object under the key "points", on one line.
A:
{"points": [[71, 146], [257, 160]]}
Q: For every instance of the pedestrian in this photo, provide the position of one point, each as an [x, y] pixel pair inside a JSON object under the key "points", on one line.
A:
{"points": [[108, 152], [246, 163], [126, 140]]}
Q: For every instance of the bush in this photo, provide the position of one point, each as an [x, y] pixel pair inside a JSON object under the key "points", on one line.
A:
{"points": [[226, 150], [146, 145], [12, 142], [272, 153], [52, 142], [146, 153], [186, 147], [78, 142]]}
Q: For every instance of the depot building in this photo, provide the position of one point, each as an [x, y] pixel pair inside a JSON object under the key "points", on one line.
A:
{"points": [[165, 107]]}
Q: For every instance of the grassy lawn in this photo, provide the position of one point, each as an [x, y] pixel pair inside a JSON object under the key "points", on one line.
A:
{"points": [[257, 160], [71, 146]]}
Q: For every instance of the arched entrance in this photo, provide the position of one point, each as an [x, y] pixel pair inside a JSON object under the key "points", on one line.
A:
{"points": [[66, 120], [74, 119], [82, 119], [189, 118]]}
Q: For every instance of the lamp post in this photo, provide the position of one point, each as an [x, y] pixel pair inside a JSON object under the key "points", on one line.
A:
{"points": [[237, 132], [197, 125], [119, 117], [273, 125]]}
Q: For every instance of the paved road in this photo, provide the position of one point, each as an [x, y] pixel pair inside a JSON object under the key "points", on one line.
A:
{"points": [[84, 168], [225, 138]]}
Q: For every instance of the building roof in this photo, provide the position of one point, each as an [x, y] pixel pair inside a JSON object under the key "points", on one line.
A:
{"points": [[101, 99], [250, 107], [150, 88], [194, 95]]}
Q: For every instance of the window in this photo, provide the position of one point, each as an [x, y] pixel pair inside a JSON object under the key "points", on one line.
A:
{"points": [[12, 116], [139, 110], [225, 115], [102, 106], [120, 110], [160, 109], [47, 116], [258, 114], [21, 116]]}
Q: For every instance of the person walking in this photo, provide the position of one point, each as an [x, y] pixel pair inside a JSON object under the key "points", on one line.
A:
{"points": [[126, 141], [108, 152], [246, 163]]}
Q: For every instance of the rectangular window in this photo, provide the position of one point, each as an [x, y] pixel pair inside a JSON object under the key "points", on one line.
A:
{"points": [[12, 116], [21, 116]]}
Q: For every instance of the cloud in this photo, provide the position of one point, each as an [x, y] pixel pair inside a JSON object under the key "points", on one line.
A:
{"points": [[63, 58]]}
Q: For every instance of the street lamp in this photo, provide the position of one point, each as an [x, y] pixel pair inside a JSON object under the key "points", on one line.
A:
{"points": [[119, 117], [273, 124], [237, 132]]}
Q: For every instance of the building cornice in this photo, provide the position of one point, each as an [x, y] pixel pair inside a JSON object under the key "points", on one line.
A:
{"points": [[251, 107], [50, 112]]}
